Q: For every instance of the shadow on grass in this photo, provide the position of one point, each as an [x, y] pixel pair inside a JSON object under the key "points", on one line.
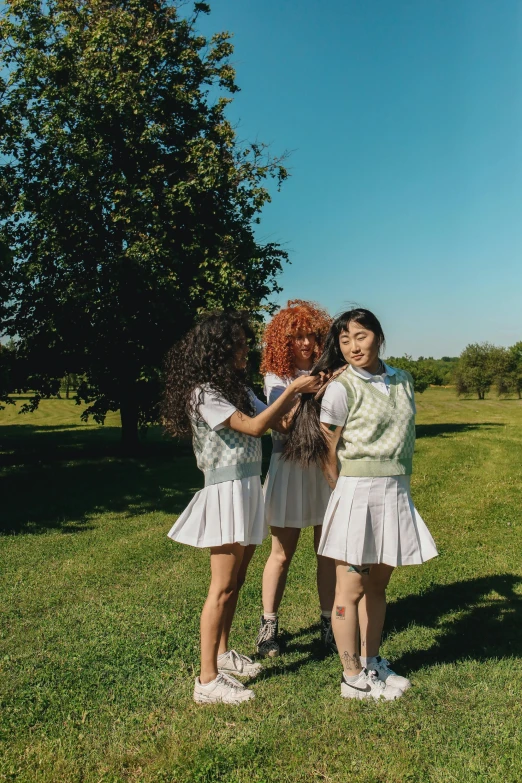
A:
{"points": [[55, 477], [436, 430], [475, 619]]}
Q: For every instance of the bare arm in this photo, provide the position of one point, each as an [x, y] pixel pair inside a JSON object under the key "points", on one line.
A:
{"points": [[330, 468], [258, 425]]}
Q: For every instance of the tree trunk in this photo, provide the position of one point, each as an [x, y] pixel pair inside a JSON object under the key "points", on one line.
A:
{"points": [[67, 385], [129, 421]]}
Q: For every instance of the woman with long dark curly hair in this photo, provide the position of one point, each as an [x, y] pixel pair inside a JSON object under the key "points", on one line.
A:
{"points": [[362, 432], [295, 498], [206, 394]]}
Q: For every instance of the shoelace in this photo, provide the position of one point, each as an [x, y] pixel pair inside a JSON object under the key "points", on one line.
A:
{"points": [[267, 631], [328, 633], [384, 664], [235, 684], [238, 658], [375, 679]]}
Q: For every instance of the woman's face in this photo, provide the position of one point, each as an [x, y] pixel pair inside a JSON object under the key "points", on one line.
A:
{"points": [[360, 347], [303, 344], [241, 352]]}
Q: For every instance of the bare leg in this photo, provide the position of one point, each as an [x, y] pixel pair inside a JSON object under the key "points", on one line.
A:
{"points": [[372, 609], [230, 608], [284, 544], [325, 575], [345, 622], [224, 565]]}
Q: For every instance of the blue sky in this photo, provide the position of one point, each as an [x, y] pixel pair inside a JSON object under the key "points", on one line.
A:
{"points": [[404, 122]]}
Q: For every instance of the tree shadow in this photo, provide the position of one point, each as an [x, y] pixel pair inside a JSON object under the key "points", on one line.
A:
{"points": [[476, 618], [59, 477], [437, 430]]}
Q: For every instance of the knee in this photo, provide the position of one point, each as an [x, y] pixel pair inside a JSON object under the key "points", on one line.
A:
{"points": [[223, 593], [376, 588], [282, 557], [349, 595]]}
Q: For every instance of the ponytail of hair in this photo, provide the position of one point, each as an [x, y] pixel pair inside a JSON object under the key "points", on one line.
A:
{"points": [[306, 443]]}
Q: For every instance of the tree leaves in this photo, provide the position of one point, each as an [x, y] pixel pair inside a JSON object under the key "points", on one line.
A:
{"points": [[130, 203]]}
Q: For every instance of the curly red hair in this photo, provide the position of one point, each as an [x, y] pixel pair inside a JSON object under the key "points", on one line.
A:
{"points": [[297, 316]]}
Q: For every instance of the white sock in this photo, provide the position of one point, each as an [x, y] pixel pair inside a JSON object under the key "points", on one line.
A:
{"points": [[206, 684], [270, 615], [326, 613], [351, 677], [367, 662]]}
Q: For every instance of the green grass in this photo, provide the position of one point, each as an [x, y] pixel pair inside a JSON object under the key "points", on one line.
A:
{"points": [[99, 620]]}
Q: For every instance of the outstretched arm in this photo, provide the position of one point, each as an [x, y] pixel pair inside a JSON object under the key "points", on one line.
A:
{"points": [[270, 417]]}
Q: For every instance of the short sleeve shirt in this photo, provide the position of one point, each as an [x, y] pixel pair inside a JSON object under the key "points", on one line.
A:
{"points": [[275, 386], [215, 409], [334, 406]]}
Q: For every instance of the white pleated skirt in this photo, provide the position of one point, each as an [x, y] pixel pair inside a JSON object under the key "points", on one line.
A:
{"points": [[373, 520], [226, 513], [294, 497]]}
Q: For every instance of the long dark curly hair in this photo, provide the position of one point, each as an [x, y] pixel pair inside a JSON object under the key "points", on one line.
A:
{"points": [[205, 358], [306, 442]]}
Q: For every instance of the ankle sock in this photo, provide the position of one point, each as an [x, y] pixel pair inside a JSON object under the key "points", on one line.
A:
{"points": [[206, 684], [367, 662], [350, 677], [270, 615], [326, 613]]}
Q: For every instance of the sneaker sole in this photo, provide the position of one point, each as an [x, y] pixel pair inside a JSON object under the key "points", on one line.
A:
{"points": [[363, 695], [269, 654], [201, 698]]}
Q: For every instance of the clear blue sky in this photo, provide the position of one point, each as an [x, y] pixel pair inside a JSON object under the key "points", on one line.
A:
{"points": [[404, 122]]}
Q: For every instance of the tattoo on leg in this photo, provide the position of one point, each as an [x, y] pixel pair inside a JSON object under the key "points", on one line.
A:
{"points": [[351, 661], [363, 643], [340, 612]]}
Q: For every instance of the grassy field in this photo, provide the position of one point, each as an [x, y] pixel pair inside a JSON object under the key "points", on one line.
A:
{"points": [[99, 620]]}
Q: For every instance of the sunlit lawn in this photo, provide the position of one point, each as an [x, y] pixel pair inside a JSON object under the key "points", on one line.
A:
{"points": [[99, 620]]}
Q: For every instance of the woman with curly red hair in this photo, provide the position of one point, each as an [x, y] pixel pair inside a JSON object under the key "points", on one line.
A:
{"points": [[295, 498]]}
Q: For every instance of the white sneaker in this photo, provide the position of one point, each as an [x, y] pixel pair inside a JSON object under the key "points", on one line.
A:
{"points": [[233, 662], [386, 674], [224, 689], [368, 686]]}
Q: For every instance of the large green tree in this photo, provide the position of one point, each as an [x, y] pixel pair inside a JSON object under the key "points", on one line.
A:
{"points": [[129, 203], [476, 369]]}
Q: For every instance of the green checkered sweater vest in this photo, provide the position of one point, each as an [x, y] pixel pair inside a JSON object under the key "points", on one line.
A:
{"points": [[225, 455], [378, 437]]}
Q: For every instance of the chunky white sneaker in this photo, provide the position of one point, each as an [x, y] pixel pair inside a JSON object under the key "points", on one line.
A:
{"points": [[267, 638], [368, 686], [327, 637], [224, 689], [386, 674], [233, 662]]}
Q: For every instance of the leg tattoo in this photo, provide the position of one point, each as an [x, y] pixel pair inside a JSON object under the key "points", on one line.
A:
{"points": [[351, 661], [340, 612]]}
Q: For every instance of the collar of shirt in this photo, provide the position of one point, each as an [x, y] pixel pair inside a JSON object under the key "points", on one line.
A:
{"points": [[367, 376]]}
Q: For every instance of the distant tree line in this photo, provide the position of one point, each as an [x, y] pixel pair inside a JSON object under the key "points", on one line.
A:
{"points": [[479, 368]]}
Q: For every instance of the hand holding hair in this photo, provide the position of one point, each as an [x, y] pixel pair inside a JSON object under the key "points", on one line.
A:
{"points": [[327, 378]]}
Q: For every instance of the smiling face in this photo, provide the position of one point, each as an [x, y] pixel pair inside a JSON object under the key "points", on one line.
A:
{"points": [[360, 347], [303, 344]]}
